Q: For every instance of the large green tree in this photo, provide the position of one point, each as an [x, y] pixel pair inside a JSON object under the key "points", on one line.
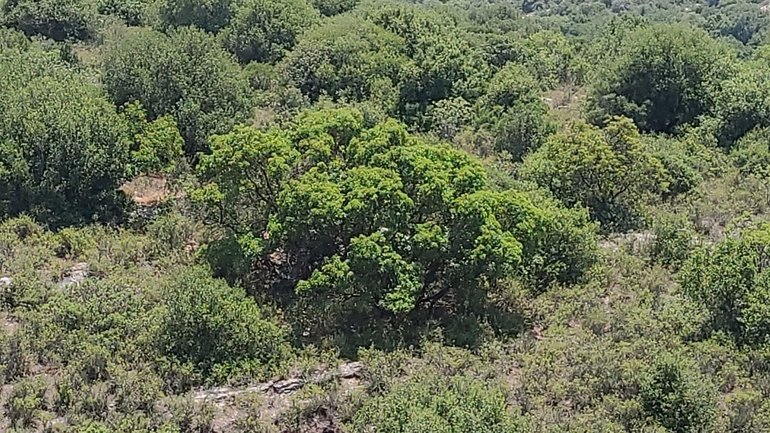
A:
{"points": [[376, 223]]}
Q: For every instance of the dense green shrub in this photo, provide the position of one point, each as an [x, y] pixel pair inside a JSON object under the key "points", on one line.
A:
{"points": [[662, 77], [184, 74], [210, 16], [25, 402], [730, 279], [751, 154], [435, 403], [213, 326], [512, 110], [608, 171], [347, 58], [685, 162], [677, 397], [741, 102], [65, 149], [133, 12], [675, 238], [55, 19], [263, 30], [334, 7]]}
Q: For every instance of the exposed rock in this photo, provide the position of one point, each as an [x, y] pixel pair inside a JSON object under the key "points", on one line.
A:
{"points": [[289, 385], [6, 281], [75, 275], [351, 370]]}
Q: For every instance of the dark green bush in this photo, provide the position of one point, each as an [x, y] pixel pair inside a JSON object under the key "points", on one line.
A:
{"points": [[675, 395], [185, 74], [662, 77], [64, 148], [55, 19], [212, 325]]}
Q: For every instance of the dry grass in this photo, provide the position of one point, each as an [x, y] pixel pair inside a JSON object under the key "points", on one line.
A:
{"points": [[147, 190]]}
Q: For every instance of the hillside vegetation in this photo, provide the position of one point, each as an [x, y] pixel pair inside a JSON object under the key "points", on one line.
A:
{"points": [[384, 216]]}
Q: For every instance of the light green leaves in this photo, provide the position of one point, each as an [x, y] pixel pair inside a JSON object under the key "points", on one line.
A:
{"points": [[371, 221]]}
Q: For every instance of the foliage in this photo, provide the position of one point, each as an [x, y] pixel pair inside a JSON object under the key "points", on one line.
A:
{"points": [[512, 110], [213, 326], [677, 397], [675, 238], [210, 16], [347, 58], [334, 7], [730, 280], [431, 402], [65, 149], [375, 222], [55, 19], [751, 153], [609, 171], [157, 145], [313, 154], [741, 102], [261, 30], [185, 75], [133, 12], [661, 78]]}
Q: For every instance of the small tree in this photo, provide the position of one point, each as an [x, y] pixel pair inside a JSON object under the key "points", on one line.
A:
{"points": [[185, 75], [608, 171], [662, 78]]}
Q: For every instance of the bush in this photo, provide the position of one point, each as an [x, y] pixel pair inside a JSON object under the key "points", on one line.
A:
{"points": [[608, 171], [512, 110], [334, 7], [55, 19], [25, 402], [185, 75], [263, 30], [677, 397], [64, 148], [210, 16], [675, 238], [440, 404], [661, 77], [212, 325], [731, 280], [133, 12], [751, 154]]}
